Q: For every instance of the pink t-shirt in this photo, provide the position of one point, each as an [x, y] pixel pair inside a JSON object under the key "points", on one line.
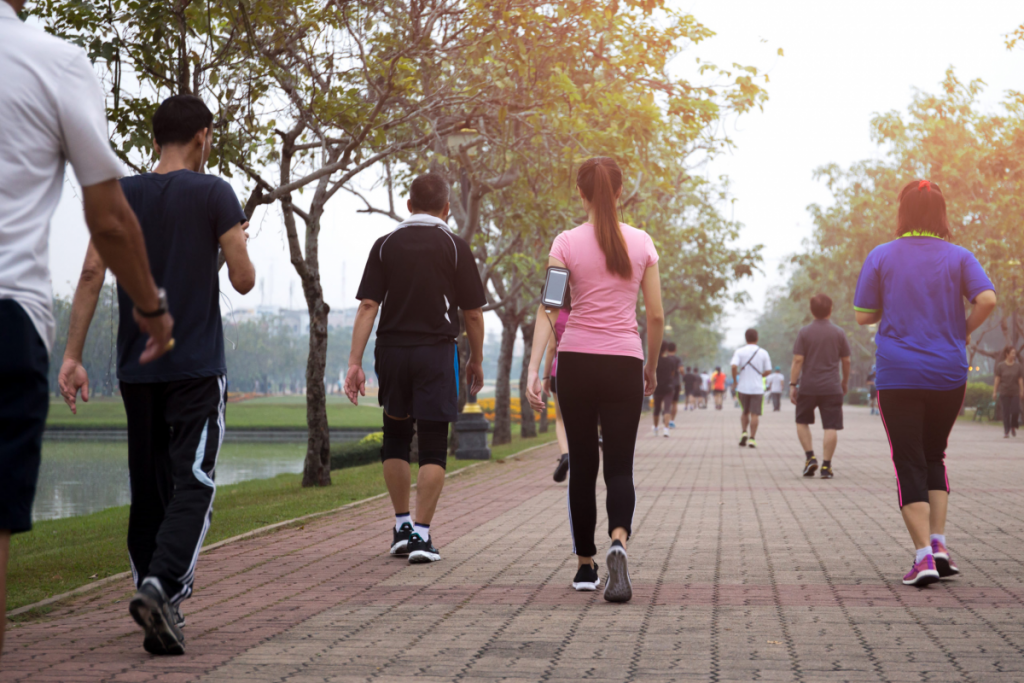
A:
{"points": [[603, 319]]}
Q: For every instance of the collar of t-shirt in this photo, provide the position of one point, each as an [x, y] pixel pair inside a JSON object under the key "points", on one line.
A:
{"points": [[416, 218]]}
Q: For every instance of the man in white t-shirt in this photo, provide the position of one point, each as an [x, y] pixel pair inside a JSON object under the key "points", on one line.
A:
{"points": [[750, 365], [776, 383], [52, 112]]}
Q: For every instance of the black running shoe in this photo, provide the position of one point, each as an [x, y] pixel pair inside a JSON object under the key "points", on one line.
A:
{"points": [[400, 539], [421, 551], [810, 467], [179, 618], [826, 471], [153, 612], [743, 439], [587, 578], [562, 468], [618, 588]]}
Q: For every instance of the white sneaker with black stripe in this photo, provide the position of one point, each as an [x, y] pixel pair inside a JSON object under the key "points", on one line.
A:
{"points": [[618, 588]]}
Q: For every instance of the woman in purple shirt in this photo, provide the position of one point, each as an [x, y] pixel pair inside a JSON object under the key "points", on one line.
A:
{"points": [[915, 287]]}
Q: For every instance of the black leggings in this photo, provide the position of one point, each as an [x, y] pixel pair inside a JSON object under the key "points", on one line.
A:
{"points": [[1011, 409], [609, 389], [918, 423]]}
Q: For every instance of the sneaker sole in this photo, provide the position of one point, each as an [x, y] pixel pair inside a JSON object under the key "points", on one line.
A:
{"points": [[945, 568], [618, 588], [809, 471], [423, 557], [400, 548], [925, 578], [586, 585], [160, 638]]}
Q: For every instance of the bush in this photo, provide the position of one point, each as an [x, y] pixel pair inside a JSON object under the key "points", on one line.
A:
{"points": [[487, 405], [978, 394], [362, 452]]}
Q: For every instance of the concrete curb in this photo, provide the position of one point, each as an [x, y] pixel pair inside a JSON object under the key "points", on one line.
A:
{"points": [[249, 534]]}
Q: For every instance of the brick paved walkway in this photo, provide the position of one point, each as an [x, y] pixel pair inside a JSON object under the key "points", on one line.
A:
{"points": [[742, 571]]}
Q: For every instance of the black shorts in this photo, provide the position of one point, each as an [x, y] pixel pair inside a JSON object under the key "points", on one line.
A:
{"points": [[554, 385], [751, 403], [24, 402], [663, 403], [419, 381], [830, 406], [675, 394]]}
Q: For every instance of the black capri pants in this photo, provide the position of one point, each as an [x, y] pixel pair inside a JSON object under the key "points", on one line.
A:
{"points": [[596, 388], [918, 423]]}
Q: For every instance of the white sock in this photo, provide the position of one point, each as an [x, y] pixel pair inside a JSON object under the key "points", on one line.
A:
{"points": [[402, 519], [424, 531], [922, 553], [941, 538]]}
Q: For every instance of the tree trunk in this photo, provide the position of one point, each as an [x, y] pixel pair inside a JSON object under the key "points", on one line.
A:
{"points": [[527, 421], [317, 468], [503, 382]]}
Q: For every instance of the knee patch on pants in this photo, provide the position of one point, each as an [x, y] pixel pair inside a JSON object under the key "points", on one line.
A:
{"points": [[397, 439], [433, 442]]}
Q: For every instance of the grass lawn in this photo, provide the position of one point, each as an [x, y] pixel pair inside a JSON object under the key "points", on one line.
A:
{"points": [[270, 412], [60, 555]]}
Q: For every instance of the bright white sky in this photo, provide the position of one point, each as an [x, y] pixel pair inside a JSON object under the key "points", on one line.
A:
{"points": [[843, 63]]}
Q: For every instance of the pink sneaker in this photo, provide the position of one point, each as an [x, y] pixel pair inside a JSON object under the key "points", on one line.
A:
{"points": [[943, 562], [922, 573]]}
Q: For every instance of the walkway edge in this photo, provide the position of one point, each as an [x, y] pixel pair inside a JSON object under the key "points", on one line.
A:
{"points": [[248, 534]]}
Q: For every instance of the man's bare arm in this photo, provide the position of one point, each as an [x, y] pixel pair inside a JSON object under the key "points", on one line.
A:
{"points": [[846, 373], [355, 378], [474, 318], [241, 272], [73, 377]]}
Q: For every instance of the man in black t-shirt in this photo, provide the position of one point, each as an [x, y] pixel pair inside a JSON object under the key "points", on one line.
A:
{"points": [[420, 275], [174, 405]]}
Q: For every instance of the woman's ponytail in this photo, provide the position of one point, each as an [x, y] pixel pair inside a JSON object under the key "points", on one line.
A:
{"points": [[600, 180]]}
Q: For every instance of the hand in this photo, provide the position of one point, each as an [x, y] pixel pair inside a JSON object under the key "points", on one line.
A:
{"points": [[70, 379], [547, 386], [846, 386], [993, 395], [793, 394], [968, 338], [355, 383], [533, 391], [650, 379], [474, 376], [159, 331]]}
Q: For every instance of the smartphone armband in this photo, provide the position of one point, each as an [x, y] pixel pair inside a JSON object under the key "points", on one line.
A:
{"points": [[556, 286]]}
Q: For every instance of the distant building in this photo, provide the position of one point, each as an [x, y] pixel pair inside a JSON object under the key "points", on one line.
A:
{"points": [[297, 319]]}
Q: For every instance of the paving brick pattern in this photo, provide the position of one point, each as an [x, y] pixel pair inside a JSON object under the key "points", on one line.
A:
{"points": [[742, 571]]}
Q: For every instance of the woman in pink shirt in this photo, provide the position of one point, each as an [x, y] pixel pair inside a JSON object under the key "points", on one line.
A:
{"points": [[602, 375]]}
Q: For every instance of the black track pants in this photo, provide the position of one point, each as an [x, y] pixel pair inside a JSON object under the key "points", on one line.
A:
{"points": [[918, 423], [610, 390], [175, 430]]}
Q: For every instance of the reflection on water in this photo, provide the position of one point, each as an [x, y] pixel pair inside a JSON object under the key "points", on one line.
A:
{"points": [[80, 478]]}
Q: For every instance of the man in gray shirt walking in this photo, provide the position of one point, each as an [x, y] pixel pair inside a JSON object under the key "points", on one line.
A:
{"points": [[819, 351]]}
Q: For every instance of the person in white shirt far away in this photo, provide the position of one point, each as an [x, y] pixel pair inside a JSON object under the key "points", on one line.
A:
{"points": [[52, 109], [776, 384], [750, 365]]}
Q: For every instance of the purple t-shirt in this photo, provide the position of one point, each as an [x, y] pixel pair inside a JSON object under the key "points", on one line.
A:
{"points": [[919, 284], [563, 317]]}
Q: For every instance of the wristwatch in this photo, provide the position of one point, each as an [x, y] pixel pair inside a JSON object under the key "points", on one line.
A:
{"points": [[161, 305]]}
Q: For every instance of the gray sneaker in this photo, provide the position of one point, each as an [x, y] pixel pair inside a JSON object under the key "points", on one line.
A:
{"points": [[618, 588], [158, 618]]}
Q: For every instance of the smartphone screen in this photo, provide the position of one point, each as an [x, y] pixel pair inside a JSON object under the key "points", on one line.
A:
{"points": [[555, 286]]}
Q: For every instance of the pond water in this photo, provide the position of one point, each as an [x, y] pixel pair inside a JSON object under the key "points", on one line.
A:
{"points": [[78, 478]]}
